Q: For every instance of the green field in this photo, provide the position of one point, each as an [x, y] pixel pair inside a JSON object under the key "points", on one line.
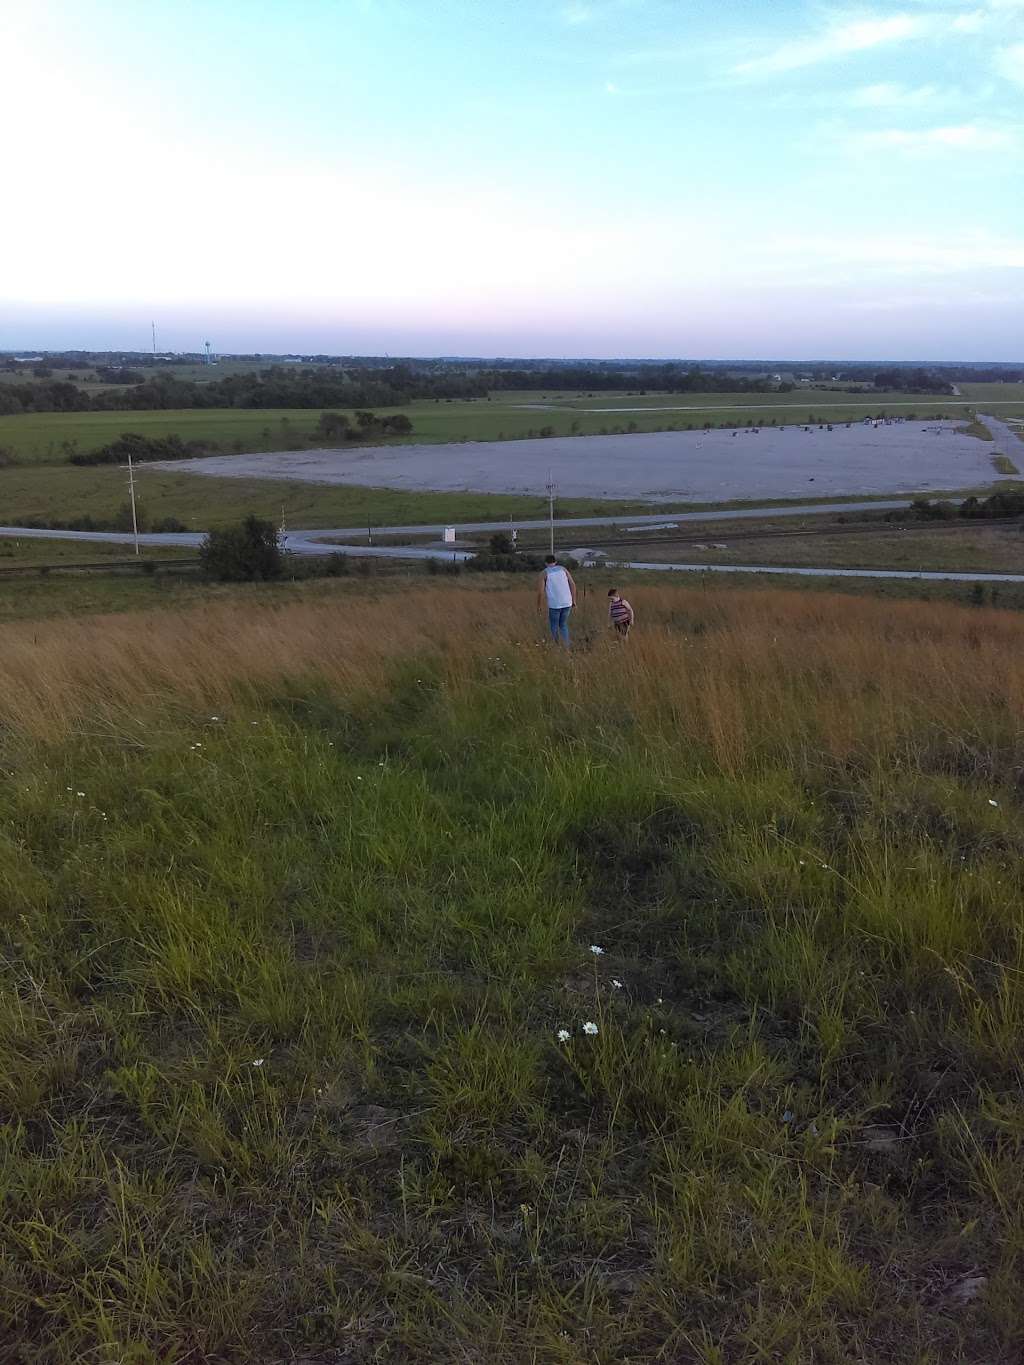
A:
{"points": [[306, 1050], [41, 437], [1002, 396]]}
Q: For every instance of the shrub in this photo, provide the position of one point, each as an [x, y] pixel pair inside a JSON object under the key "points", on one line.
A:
{"points": [[139, 448], [244, 553], [333, 425]]}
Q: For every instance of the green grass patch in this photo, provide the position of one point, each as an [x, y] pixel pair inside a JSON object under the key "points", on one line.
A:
{"points": [[1002, 464], [288, 952]]}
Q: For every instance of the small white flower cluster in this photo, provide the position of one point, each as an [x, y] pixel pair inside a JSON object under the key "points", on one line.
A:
{"points": [[589, 1028]]}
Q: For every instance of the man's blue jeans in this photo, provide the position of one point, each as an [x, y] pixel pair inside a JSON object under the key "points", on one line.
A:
{"points": [[558, 622]]}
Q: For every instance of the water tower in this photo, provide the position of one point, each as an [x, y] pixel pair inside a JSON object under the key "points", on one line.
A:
{"points": [[209, 357]]}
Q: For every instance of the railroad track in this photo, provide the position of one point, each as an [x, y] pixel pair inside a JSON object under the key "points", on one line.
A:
{"points": [[846, 528]]}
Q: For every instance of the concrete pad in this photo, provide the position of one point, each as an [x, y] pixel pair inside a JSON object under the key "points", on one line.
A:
{"points": [[652, 467]]}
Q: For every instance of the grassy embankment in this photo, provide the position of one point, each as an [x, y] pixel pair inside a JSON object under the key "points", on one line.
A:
{"points": [[963, 547], [295, 905], [18, 554]]}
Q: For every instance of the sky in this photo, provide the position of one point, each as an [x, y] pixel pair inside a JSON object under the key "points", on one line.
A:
{"points": [[698, 178]]}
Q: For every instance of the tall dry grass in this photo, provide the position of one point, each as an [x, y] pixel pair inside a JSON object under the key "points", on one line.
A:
{"points": [[746, 674]]}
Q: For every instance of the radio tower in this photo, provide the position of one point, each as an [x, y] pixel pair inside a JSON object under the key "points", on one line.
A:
{"points": [[153, 325]]}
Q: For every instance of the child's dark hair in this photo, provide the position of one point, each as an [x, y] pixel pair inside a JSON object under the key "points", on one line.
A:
{"points": [[612, 592]]}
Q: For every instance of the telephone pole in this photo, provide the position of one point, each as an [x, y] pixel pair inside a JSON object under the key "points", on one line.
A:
{"points": [[131, 495], [551, 509]]}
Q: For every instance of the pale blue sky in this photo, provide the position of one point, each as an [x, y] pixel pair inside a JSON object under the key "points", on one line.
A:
{"points": [[517, 177]]}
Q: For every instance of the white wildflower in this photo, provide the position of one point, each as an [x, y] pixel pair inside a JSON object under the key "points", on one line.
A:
{"points": [[617, 984], [79, 793], [259, 1061], [596, 950], [992, 803], [590, 1028], [563, 1035]]}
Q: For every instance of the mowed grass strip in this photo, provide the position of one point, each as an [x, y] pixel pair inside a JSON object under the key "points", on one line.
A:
{"points": [[298, 905]]}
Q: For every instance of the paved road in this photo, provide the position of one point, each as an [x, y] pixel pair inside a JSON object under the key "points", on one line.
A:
{"points": [[872, 405], [298, 542], [1010, 443], [190, 540]]}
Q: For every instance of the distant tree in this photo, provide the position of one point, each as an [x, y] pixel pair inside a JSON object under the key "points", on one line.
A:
{"points": [[397, 425], [501, 544], [244, 553], [333, 425]]}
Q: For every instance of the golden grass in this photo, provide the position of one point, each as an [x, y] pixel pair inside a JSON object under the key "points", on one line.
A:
{"points": [[743, 672]]}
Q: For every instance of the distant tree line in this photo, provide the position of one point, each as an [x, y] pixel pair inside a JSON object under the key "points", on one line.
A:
{"points": [[333, 388], [334, 426], [139, 383], [911, 381], [1007, 502]]}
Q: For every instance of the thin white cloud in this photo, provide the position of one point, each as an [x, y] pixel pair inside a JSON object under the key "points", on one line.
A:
{"points": [[841, 40], [1009, 62], [972, 22], [612, 88], [577, 13], [892, 95], [964, 137]]}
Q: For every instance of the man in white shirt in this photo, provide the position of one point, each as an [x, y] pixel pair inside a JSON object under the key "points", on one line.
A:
{"points": [[557, 590]]}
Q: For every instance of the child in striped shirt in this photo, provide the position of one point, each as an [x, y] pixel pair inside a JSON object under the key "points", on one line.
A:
{"points": [[620, 613]]}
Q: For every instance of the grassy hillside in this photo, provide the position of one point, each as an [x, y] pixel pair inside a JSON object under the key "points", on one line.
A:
{"points": [[297, 907]]}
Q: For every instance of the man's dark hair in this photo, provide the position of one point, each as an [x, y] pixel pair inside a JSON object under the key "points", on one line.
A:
{"points": [[550, 559], [612, 592]]}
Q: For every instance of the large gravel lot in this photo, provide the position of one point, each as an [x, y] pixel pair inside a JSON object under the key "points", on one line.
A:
{"points": [[655, 467]]}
